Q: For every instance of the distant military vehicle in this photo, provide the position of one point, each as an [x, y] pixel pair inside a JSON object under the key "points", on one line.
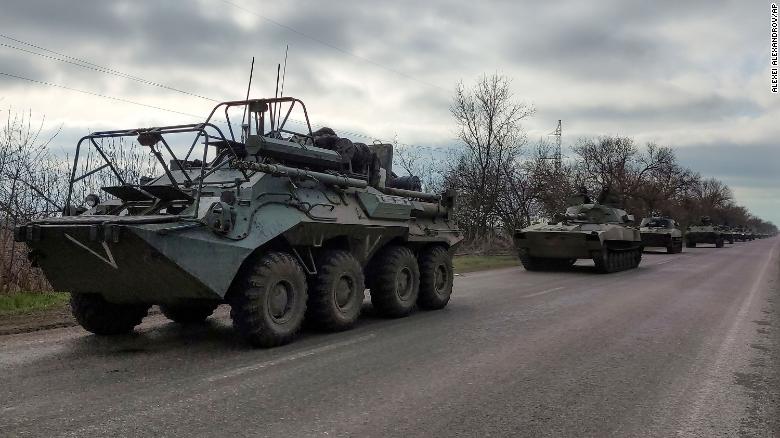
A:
{"points": [[739, 234], [281, 223], [662, 232], [727, 233], [704, 232], [587, 231]]}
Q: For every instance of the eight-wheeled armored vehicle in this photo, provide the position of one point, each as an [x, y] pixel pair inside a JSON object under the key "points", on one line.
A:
{"points": [[282, 223], [658, 231], [587, 231], [704, 232]]}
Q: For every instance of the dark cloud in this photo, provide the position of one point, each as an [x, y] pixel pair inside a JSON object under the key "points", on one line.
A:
{"points": [[636, 68]]}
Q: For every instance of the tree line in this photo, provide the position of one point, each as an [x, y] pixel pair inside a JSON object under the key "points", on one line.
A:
{"points": [[504, 182]]}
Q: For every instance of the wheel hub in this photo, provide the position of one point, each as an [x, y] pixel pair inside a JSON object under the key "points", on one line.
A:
{"points": [[345, 290], [403, 283], [280, 301]]}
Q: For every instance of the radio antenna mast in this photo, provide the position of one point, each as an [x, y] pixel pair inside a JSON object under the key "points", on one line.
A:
{"points": [[284, 74], [248, 87]]}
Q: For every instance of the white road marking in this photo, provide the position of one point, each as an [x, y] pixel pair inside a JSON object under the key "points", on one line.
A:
{"points": [[546, 291], [248, 369], [109, 259], [662, 262]]}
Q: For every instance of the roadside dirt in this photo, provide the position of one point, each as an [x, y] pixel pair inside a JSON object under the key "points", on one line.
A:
{"points": [[38, 320], [54, 317]]}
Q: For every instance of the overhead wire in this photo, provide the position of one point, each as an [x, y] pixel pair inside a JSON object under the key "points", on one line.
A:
{"points": [[79, 62]]}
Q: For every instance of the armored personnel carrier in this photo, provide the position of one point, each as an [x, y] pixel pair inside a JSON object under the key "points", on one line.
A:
{"points": [[704, 232], [662, 232], [587, 231], [739, 234], [727, 232], [281, 223]]}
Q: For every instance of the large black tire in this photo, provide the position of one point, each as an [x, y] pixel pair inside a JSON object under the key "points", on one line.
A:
{"points": [[719, 243], [396, 281], [268, 302], [436, 278], [336, 293], [189, 312], [101, 317]]}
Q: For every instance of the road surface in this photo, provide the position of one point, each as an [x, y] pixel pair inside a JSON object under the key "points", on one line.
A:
{"points": [[686, 345]]}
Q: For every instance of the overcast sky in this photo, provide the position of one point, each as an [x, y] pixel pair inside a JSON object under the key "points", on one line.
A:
{"points": [[692, 75]]}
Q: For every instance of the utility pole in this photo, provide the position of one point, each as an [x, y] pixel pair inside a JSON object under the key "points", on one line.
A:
{"points": [[557, 155]]}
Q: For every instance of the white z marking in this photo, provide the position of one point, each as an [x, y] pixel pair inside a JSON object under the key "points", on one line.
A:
{"points": [[109, 259]]}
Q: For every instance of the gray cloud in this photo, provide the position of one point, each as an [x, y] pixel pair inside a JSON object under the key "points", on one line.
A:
{"points": [[641, 69]]}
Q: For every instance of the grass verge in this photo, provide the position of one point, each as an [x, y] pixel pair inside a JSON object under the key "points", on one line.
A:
{"points": [[472, 263], [25, 302]]}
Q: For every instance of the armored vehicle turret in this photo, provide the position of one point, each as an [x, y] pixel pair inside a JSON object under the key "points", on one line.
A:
{"points": [[280, 222], [587, 231], [704, 232], [662, 232]]}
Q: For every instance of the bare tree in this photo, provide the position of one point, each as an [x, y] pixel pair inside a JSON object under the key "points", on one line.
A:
{"points": [[488, 120]]}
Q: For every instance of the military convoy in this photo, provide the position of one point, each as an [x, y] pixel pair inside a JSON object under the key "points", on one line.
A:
{"points": [[590, 230], [282, 224], [287, 225], [664, 232]]}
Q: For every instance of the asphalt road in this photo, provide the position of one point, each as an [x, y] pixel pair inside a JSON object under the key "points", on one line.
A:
{"points": [[686, 345]]}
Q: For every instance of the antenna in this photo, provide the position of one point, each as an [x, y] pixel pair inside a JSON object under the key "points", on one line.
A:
{"points": [[276, 94], [248, 87], [284, 71], [284, 74]]}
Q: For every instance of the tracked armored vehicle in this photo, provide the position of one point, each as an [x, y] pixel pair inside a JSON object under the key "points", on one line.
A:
{"points": [[587, 231], [727, 232], [281, 223], [704, 232], [661, 232]]}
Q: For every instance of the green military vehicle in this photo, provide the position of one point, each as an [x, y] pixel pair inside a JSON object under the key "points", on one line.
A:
{"points": [[664, 232], [587, 231], [280, 223], [727, 232], [739, 234], [704, 232]]}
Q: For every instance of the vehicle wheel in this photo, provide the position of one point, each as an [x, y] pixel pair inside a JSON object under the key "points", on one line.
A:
{"points": [[396, 282], [336, 293], [101, 317], [531, 263], [189, 312], [269, 302], [719, 243], [690, 244], [436, 278]]}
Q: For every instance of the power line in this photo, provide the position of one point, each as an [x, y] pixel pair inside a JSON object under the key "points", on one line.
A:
{"points": [[104, 96], [79, 62], [92, 66], [333, 46]]}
